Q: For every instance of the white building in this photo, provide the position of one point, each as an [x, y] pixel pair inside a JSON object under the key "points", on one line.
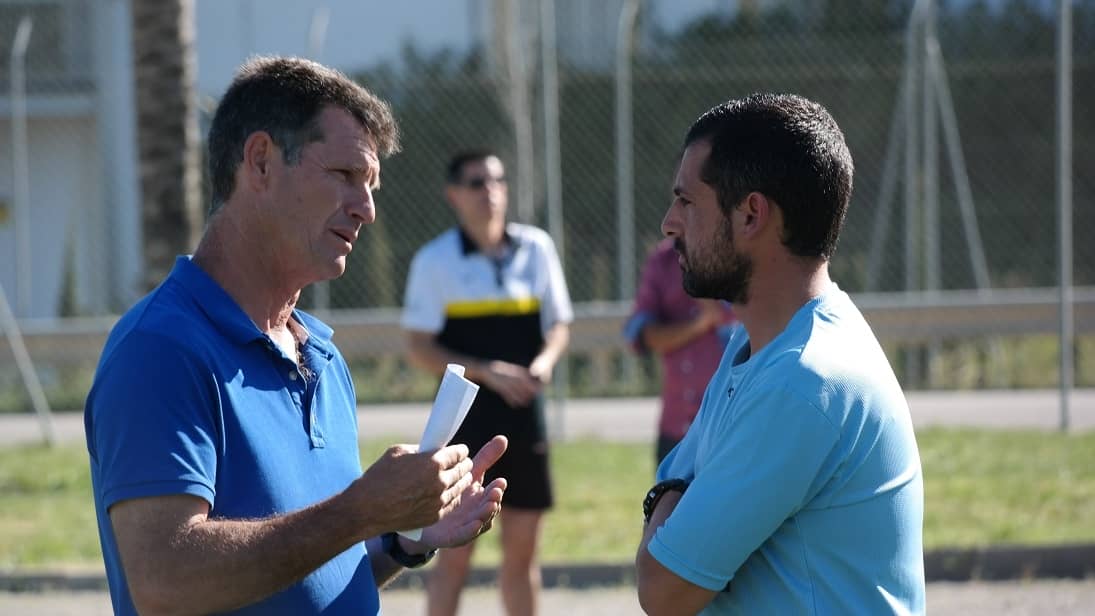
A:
{"points": [[82, 181]]}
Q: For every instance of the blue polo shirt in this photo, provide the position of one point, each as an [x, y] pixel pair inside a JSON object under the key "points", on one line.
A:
{"points": [[191, 398], [806, 494]]}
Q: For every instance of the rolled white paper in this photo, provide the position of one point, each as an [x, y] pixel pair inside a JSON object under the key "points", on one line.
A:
{"points": [[450, 407]]}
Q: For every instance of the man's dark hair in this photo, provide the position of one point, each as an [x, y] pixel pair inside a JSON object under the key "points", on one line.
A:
{"points": [[284, 97], [789, 149], [454, 171]]}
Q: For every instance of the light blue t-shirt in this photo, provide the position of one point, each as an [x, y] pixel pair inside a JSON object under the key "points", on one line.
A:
{"points": [[190, 397], [806, 493]]}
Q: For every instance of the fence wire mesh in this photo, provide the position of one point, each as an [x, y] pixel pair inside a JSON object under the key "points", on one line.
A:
{"points": [[994, 75], [948, 108]]}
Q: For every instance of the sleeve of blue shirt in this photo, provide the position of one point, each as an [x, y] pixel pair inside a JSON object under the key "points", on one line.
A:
{"points": [[760, 463], [153, 430]]}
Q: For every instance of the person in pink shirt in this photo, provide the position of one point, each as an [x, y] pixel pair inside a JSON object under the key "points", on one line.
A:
{"points": [[688, 334]]}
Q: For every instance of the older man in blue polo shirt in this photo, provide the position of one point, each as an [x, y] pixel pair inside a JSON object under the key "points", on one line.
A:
{"points": [[221, 425]]}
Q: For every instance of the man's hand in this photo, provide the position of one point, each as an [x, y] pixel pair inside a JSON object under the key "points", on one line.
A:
{"points": [[415, 489], [474, 513], [516, 384], [541, 367]]}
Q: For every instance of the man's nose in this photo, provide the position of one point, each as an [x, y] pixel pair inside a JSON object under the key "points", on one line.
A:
{"points": [[671, 222], [362, 207]]}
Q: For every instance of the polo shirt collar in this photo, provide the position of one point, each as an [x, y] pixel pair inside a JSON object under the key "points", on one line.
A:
{"points": [[227, 316], [468, 245], [319, 333]]}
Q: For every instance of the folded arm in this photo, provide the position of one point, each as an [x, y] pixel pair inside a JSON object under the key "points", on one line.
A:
{"points": [[660, 590], [759, 470]]}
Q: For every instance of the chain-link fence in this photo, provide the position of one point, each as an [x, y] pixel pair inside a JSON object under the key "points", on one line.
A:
{"points": [[981, 118], [948, 108]]}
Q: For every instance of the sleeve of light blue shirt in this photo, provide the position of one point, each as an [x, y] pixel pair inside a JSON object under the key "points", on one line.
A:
{"points": [[154, 431], [759, 466]]}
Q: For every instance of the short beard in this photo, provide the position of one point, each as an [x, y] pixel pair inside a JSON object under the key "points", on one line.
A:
{"points": [[724, 275]]}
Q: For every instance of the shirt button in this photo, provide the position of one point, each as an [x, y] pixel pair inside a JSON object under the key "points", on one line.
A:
{"points": [[292, 375], [686, 366]]}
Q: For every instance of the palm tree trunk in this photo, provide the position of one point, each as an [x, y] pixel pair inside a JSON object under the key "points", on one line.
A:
{"points": [[167, 132]]}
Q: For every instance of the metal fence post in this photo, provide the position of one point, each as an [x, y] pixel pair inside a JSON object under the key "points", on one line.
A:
{"points": [[26, 369], [21, 166], [1064, 200], [625, 161]]}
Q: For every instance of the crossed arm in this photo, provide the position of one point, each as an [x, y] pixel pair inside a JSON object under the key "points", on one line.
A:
{"points": [[660, 590]]}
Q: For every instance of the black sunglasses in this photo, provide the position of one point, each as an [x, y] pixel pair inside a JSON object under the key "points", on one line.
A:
{"points": [[479, 183]]}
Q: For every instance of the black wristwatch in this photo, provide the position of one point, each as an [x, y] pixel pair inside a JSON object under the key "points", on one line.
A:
{"points": [[654, 494], [389, 542]]}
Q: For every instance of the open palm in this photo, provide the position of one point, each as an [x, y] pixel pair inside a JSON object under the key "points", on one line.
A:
{"points": [[474, 510]]}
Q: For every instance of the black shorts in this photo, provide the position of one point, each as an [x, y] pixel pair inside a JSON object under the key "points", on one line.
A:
{"points": [[525, 465]]}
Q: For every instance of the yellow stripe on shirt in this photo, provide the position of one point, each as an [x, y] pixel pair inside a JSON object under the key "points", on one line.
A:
{"points": [[493, 307]]}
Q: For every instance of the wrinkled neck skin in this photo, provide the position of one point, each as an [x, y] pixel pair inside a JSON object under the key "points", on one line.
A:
{"points": [[252, 272]]}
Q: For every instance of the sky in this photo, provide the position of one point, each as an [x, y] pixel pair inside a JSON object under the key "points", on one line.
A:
{"points": [[359, 33]]}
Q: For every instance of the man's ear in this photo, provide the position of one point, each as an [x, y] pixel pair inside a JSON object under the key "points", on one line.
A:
{"points": [[449, 195], [756, 214], [259, 153]]}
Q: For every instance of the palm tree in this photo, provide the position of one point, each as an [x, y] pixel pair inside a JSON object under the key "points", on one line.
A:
{"points": [[167, 132]]}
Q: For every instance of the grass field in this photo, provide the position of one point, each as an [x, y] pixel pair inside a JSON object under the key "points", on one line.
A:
{"points": [[981, 487], [1012, 362]]}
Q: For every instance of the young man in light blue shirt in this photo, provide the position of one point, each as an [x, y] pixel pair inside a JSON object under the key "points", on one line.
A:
{"points": [[798, 489]]}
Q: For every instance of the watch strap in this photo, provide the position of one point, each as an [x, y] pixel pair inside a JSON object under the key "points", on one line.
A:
{"points": [[655, 493], [389, 542]]}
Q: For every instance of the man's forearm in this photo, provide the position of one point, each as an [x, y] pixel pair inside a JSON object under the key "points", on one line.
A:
{"points": [[661, 513], [217, 565], [660, 590], [555, 343], [384, 568], [667, 337], [427, 354]]}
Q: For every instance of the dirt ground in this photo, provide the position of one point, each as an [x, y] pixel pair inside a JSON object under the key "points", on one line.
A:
{"points": [[1033, 598]]}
